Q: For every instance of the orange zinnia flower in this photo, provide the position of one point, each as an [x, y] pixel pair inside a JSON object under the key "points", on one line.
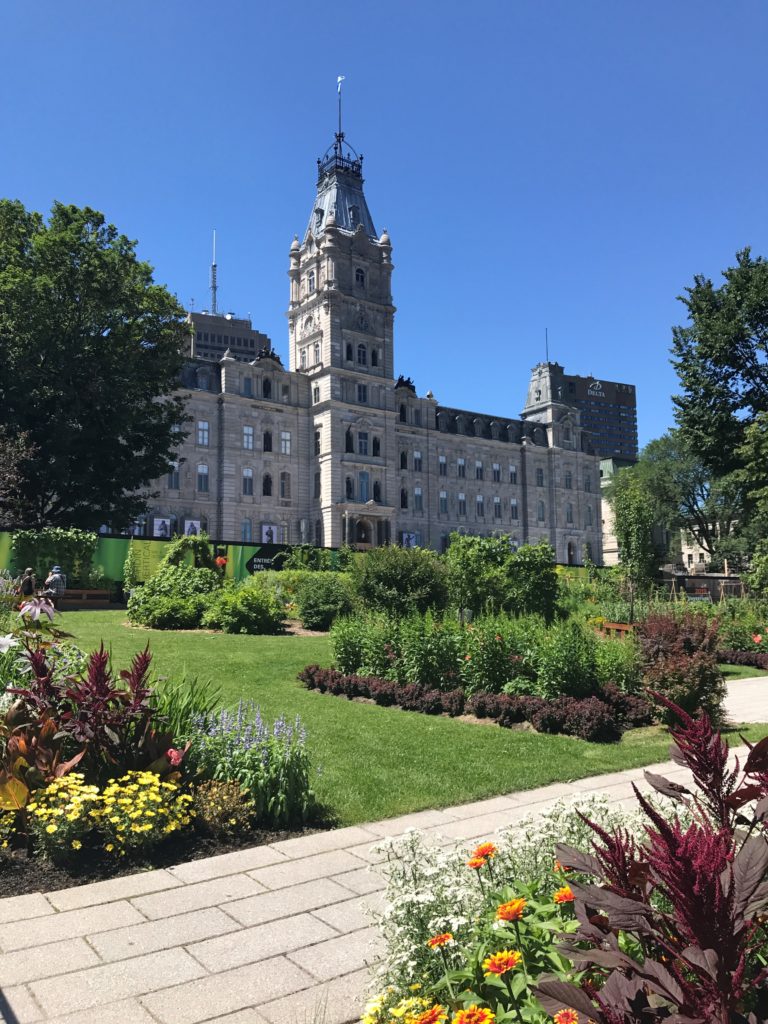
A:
{"points": [[476, 863], [511, 911], [564, 895], [485, 850], [436, 1014], [757, 637], [560, 867], [566, 1017], [474, 1015], [500, 963], [444, 939]]}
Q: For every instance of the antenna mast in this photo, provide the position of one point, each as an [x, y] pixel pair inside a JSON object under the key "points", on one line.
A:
{"points": [[214, 284]]}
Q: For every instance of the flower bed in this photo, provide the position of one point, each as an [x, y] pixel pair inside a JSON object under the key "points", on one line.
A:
{"points": [[598, 719], [752, 659]]}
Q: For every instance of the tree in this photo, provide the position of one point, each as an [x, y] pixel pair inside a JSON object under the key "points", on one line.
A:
{"points": [[90, 352], [721, 360], [14, 452], [634, 517]]}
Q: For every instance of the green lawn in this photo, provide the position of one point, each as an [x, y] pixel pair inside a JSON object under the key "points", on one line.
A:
{"points": [[374, 762], [741, 672]]}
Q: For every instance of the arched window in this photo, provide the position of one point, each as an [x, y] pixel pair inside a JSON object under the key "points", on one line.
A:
{"points": [[360, 277], [403, 498], [349, 441], [376, 446], [317, 352], [267, 441], [362, 355], [349, 353], [248, 481], [303, 361], [311, 280], [285, 485], [266, 486], [246, 531], [349, 488], [403, 413], [568, 480], [403, 460], [374, 357], [266, 388], [377, 492], [539, 477]]}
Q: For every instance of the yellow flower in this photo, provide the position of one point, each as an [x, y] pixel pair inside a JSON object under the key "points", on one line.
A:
{"points": [[50, 829], [76, 844], [109, 847]]}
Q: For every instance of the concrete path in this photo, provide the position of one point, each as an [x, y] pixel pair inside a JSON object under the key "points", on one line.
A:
{"points": [[270, 935]]}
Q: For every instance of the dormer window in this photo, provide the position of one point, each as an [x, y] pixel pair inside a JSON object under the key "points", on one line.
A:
{"points": [[360, 277], [354, 216]]}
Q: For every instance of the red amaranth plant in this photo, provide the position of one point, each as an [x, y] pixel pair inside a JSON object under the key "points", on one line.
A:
{"points": [[675, 929]]}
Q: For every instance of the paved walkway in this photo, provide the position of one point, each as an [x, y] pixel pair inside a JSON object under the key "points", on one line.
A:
{"points": [[271, 935]]}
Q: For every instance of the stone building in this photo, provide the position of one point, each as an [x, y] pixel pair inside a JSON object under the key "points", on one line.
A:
{"points": [[335, 449]]}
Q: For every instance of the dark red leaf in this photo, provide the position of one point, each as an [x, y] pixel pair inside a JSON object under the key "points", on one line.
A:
{"points": [[757, 761], [666, 787], [557, 995], [749, 869]]}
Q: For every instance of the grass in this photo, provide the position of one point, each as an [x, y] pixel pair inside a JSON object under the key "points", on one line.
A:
{"points": [[742, 672], [374, 762]]}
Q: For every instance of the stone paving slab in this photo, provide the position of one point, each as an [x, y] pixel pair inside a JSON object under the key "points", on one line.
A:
{"points": [[269, 935]]}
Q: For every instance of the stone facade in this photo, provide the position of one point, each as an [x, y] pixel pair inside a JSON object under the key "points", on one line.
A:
{"points": [[334, 449]]}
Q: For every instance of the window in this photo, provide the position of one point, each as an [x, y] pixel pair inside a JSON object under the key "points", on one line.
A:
{"points": [[568, 480], [496, 469], [202, 432], [362, 442], [315, 394], [374, 357], [462, 504], [566, 434], [403, 460], [248, 387], [376, 447], [417, 417], [362, 355], [317, 442], [418, 499], [701, 557], [354, 216], [363, 484], [539, 477], [248, 481], [349, 488], [403, 498], [316, 491], [480, 505], [417, 462], [478, 470], [317, 353], [266, 387], [589, 515], [285, 442], [266, 486], [690, 559], [362, 393], [248, 438], [443, 503], [360, 277], [285, 485], [173, 477], [349, 442], [377, 491], [286, 392], [588, 483], [497, 507], [266, 441], [349, 353], [442, 465], [461, 468], [542, 512], [403, 413], [513, 508], [303, 361], [512, 474], [569, 513], [311, 280], [202, 479], [246, 531]]}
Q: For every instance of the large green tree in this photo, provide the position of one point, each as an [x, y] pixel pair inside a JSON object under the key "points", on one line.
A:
{"points": [[635, 520], [90, 351]]}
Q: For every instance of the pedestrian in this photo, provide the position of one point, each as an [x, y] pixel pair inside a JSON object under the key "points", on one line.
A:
{"points": [[27, 584], [55, 585]]}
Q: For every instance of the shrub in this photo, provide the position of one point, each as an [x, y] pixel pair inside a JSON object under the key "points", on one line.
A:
{"points": [[679, 660], [453, 703], [322, 597], [592, 720], [400, 581], [565, 661], [347, 644], [380, 643], [630, 710], [173, 598], [59, 817], [244, 609], [429, 652], [752, 659], [618, 661], [221, 808], [138, 811]]}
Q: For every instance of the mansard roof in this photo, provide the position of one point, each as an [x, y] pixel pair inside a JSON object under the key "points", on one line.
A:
{"points": [[340, 192]]}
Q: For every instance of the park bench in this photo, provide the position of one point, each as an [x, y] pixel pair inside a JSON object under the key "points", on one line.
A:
{"points": [[617, 629], [92, 600]]}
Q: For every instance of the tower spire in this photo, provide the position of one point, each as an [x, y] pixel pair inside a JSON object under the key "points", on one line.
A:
{"points": [[339, 80], [214, 284]]}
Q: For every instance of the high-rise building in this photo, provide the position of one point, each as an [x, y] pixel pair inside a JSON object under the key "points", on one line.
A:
{"points": [[608, 410], [334, 449]]}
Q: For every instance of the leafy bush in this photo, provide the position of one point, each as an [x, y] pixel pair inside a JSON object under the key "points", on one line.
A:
{"points": [[565, 661], [271, 765], [430, 652], [347, 645], [400, 581], [618, 661], [752, 659], [679, 660], [221, 808], [244, 609], [195, 549], [70, 548], [322, 597], [380, 645], [173, 598]]}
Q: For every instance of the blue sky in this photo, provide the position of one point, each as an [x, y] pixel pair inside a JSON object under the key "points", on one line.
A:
{"points": [[559, 164]]}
